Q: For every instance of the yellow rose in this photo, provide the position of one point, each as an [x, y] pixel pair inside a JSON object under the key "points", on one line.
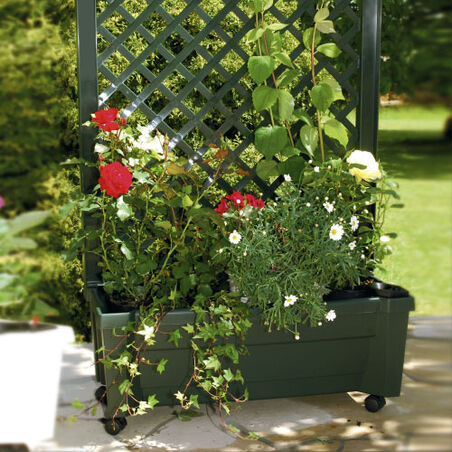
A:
{"points": [[365, 158]]}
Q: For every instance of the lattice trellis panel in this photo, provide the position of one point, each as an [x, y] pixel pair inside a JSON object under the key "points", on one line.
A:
{"points": [[156, 82]]}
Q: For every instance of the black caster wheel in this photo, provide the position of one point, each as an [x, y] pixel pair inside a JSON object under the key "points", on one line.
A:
{"points": [[100, 395], [374, 403], [115, 426]]}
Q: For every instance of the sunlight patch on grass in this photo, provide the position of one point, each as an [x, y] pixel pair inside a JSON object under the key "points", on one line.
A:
{"points": [[412, 149]]}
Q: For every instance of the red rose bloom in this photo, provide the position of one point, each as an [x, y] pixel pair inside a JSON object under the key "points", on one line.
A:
{"points": [[105, 119], [237, 198], [222, 207], [259, 204], [115, 179]]}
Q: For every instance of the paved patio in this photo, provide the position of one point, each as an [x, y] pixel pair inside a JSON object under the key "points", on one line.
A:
{"points": [[420, 419]]}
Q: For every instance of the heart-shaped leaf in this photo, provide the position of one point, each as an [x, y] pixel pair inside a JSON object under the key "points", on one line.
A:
{"points": [[322, 96], [270, 140], [266, 169], [260, 67], [285, 104], [309, 136], [329, 49], [326, 26], [264, 97], [307, 38], [335, 129]]}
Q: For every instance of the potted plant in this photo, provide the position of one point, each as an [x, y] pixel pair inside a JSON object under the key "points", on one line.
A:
{"points": [[31, 401], [166, 324]]}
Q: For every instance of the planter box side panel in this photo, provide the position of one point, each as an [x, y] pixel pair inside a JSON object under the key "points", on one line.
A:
{"points": [[383, 375]]}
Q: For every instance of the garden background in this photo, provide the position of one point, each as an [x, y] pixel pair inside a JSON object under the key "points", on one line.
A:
{"points": [[39, 131]]}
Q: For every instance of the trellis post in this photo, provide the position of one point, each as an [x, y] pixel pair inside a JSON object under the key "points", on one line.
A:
{"points": [[370, 75], [88, 103]]}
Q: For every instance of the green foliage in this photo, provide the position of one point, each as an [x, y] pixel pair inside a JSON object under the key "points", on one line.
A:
{"points": [[305, 244], [37, 111]]}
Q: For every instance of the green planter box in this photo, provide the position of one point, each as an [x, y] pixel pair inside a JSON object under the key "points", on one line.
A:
{"points": [[362, 350]]}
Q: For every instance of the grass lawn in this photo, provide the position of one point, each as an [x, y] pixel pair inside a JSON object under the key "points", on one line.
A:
{"points": [[412, 150]]}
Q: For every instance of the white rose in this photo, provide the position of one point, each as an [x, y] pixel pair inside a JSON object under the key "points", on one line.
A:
{"points": [[365, 158], [148, 143]]}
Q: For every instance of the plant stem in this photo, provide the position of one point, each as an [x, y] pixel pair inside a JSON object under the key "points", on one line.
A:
{"points": [[314, 83]]}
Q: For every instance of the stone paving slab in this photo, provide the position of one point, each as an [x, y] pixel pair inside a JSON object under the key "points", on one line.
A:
{"points": [[420, 419]]}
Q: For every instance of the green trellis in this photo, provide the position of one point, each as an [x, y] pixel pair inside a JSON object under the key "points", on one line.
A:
{"points": [[98, 84]]}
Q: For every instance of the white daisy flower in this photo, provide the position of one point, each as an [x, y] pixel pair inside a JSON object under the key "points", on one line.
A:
{"points": [[289, 300], [287, 178], [308, 204], [328, 206], [336, 232], [316, 169], [331, 315], [235, 237], [384, 239], [352, 245], [354, 222]]}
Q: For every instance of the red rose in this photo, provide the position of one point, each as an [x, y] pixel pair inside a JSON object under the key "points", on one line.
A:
{"points": [[115, 179], [237, 198], [105, 119], [222, 207], [259, 204]]}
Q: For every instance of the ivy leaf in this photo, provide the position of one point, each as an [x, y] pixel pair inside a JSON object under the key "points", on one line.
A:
{"points": [[309, 136], [93, 410], [212, 362], [330, 49], [161, 366], [270, 140], [283, 58], [174, 337], [326, 26], [254, 34], [124, 210], [266, 169], [194, 400], [189, 328], [335, 129], [228, 375], [299, 113], [286, 105], [264, 97], [321, 14], [77, 404], [71, 419], [322, 96], [124, 386], [260, 67], [152, 401], [307, 38], [287, 77]]}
